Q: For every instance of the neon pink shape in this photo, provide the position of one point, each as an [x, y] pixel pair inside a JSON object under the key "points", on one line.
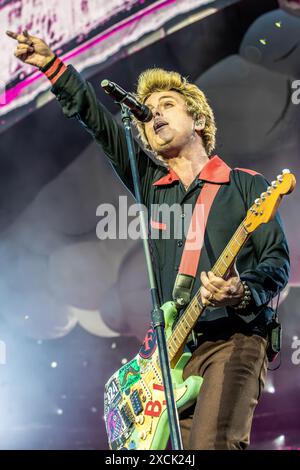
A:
{"points": [[8, 96]]}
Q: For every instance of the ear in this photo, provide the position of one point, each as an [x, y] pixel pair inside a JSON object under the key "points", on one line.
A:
{"points": [[200, 123]]}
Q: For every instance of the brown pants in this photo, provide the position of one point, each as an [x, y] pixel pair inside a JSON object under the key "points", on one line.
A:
{"points": [[234, 372]]}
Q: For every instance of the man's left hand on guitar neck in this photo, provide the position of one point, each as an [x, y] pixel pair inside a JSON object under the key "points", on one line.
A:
{"points": [[219, 292]]}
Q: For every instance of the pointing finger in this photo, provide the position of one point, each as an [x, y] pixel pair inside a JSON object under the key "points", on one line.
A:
{"points": [[26, 34], [21, 38], [11, 34]]}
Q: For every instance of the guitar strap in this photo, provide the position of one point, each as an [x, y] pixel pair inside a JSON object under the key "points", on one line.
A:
{"points": [[193, 245]]}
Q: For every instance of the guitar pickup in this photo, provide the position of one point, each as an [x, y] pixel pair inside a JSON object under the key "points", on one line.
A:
{"points": [[136, 402], [127, 415]]}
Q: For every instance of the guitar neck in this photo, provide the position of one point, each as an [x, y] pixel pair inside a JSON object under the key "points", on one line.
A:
{"points": [[195, 308]]}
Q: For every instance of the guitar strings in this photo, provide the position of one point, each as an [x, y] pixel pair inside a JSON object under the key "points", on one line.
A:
{"points": [[172, 340]]}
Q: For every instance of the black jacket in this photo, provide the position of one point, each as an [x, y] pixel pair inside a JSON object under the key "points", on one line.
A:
{"points": [[264, 261]]}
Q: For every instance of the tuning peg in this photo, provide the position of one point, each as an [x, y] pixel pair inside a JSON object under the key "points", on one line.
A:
{"points": [[280, 178], [263, 196], [285, 171], [269, 190], [274, 184], [257, 202]]}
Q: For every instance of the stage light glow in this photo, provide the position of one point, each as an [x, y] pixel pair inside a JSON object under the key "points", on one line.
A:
{"points": [[59, 411], [269, 387], [279, 441], [54, 364]]}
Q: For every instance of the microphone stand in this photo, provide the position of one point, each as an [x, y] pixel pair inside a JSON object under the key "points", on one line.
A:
{"points": [[157, 314]]}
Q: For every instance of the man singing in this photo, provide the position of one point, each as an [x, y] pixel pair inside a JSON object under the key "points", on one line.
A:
{"points": [[230, 339]]}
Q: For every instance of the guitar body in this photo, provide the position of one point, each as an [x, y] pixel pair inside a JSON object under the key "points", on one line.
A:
{"points": [[134, 399]]}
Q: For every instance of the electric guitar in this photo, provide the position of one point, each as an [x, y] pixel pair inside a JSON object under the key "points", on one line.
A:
{"points": [[134, 401]]}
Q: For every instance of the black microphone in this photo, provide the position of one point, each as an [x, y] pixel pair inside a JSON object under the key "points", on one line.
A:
{"points": [[139, 110]]}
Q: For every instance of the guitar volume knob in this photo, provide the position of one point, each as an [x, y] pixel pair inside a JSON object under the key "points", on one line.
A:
{"points": [[140, 419], [143, 435]]}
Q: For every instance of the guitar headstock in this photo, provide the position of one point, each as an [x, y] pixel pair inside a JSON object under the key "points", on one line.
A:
{"points": [[264, 207]]}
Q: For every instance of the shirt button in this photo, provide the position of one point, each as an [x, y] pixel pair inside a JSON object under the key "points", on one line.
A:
{"points": [[179, 243], [182, 215]]}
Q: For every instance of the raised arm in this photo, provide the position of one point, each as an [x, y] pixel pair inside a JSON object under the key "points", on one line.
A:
{"points": [[78, 99]]}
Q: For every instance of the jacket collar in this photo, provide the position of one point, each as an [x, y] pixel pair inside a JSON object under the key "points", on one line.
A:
{"points": [[215, 171]]}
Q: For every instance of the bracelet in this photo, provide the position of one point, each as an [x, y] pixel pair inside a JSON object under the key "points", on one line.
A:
{"points": [[54, 69], [246, 299]]}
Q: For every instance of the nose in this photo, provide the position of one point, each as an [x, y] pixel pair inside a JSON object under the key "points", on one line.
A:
{"points": [[156, 112]]}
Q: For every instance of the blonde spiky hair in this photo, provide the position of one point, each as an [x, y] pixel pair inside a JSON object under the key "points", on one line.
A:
{"points": [[155, 79]]}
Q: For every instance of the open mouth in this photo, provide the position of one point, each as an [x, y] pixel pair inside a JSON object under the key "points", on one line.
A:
{"points": [[159, 125]]}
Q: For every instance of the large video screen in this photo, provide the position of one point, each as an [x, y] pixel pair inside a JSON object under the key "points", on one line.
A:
{"points": [[83, 32]]}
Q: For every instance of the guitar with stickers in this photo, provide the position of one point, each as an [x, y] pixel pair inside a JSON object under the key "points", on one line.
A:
{"points": [[134, 401]]}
